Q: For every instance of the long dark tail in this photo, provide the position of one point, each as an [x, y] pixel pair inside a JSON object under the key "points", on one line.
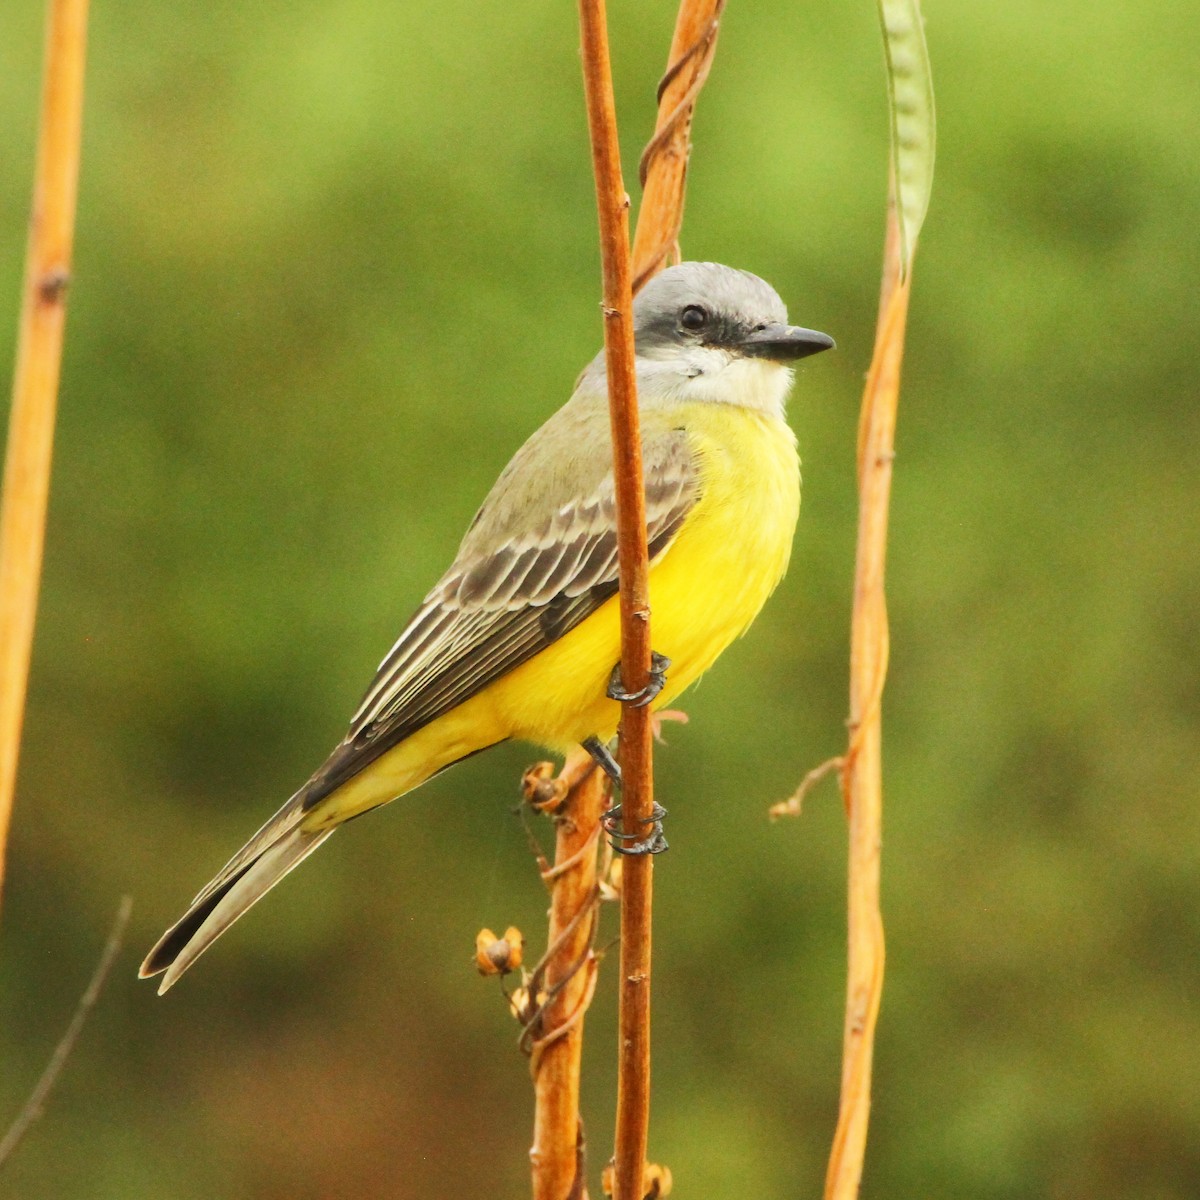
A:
{"points": [[278, 847], [281, 844]]}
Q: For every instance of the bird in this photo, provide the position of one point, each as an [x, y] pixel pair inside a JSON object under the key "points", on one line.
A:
{"points": [[520, 638]]}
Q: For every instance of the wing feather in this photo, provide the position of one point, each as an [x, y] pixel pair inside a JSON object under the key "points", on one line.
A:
{"points": [[502, 603], [566, 567]]}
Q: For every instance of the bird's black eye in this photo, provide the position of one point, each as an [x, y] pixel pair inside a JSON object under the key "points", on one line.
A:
{"points": [[693, 318]]}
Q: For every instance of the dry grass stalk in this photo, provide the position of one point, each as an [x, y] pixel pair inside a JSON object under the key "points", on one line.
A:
{"points": [[556, 1041], [861, 768], [567, 973], [663, 174], [663, 167], [637, 800], [36, 1104], [794, 804], [35, 382]]}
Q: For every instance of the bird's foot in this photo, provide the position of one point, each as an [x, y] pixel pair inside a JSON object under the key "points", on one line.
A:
{"points": [[629, 843], [655, 684]]}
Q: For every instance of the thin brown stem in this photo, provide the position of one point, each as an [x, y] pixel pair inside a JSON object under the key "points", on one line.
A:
{"points": [[567, 974], [861, 771], [35, 381], [633, 1054], [36, 1103], [663, 167]]}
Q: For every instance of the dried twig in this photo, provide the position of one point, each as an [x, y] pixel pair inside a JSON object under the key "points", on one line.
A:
{"points": [[794, 804], [633, 1053], [861, 769], [36, 1103], [35, 382], [557, 1022], [663, 166], [567, 973], [910, 93], [663, 174]]}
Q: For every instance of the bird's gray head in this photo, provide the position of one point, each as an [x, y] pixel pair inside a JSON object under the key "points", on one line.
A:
{"points": [[705, 332]]}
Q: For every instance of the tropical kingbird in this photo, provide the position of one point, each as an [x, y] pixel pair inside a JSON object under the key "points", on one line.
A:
{"points": [[520, 636]]}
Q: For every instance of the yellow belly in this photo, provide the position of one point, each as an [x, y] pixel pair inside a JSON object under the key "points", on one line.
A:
{"points": [[704, 591]]}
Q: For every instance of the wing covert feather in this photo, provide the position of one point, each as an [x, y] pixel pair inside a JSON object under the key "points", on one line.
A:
{"points": [[513, 590]]}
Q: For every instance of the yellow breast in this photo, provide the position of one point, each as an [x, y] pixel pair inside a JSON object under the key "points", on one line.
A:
{"points": [[704, 590]]}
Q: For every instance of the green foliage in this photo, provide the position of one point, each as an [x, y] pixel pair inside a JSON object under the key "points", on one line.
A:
{"points": [[334, 263]]}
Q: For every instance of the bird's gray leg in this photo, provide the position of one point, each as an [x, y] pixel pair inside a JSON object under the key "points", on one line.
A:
{"points": [[602, 757], [655, 684]]}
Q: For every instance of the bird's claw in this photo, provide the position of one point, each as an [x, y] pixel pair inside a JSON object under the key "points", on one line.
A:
{"points": [[655, 684], [629, 843]]}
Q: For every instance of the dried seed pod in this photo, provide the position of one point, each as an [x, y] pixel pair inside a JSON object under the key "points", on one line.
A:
{"points": [[499, 955], [541, 788]]}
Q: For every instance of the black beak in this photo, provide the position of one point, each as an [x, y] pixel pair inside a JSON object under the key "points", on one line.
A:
{"points": [[784, 343]]}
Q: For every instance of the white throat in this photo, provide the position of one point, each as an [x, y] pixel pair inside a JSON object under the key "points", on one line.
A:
{"points": [[709, 375]]}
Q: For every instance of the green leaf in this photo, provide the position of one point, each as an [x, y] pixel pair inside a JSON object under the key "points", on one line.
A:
{"points": [[910, 98]]}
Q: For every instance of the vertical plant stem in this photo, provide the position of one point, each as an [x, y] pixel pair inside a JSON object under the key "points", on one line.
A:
{"points": [[861, 772], [633, 1055], [569, 975], [664, 162], [35, 383], [911, 107]]}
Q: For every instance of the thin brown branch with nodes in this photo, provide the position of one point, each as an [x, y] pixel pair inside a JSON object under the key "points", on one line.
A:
{"points": [[663, 174], [560, 988], [567, 973], [35, 381], [914, 128], [36, 1104], [663, 167], [861, 767], [637, 799]]}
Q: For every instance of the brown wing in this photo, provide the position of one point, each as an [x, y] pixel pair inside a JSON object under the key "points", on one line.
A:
{"points": [[496, 608]]}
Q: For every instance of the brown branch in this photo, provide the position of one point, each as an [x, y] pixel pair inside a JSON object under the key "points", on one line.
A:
{"points": [[663, 166], [567, 972], [637, 799], [36, 1103], [861, 771], [35, 381]]}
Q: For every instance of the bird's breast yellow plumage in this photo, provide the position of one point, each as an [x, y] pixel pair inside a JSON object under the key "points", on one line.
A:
{"points": [[705, 589]]}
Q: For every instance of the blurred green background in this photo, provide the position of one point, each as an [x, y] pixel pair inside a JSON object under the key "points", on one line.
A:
{"points": [[334, 263]]}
